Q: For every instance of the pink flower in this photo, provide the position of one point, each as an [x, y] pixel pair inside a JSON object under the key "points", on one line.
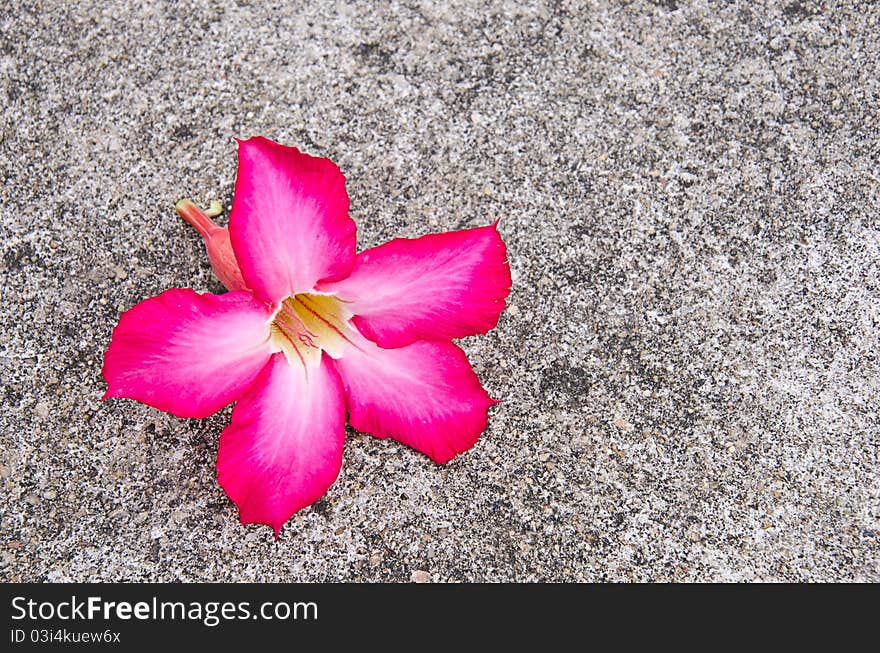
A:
{"points": [[310, 330]]}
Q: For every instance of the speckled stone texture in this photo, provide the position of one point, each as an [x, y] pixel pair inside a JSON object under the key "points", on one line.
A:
{"points": [[690, 193]]}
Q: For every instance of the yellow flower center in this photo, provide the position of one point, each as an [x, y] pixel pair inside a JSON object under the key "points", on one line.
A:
{"points": [[307, 324]]}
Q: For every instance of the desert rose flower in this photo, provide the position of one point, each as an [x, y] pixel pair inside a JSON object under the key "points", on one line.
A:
{"points": [[309, 330]]}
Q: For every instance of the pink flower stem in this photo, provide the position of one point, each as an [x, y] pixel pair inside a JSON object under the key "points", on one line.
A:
{"points": [[190, 212], [216, 241]]}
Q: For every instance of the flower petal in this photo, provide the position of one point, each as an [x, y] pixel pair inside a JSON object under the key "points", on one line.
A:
{"points": [[289, 221], [283, 448], [424, 395], [437, 287], [186, 353]]}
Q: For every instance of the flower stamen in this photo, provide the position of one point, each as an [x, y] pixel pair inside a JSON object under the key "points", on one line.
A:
{"points": [[303, 300], [305, 325], [287, 344]]}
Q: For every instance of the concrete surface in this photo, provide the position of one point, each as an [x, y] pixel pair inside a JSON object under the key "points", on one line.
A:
{"points": [[689, 192]]}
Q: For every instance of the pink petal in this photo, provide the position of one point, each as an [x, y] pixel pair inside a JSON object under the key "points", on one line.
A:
{"points": [[437, 287], [186, 353], [425, 395], [289, 221], [283, 448]]}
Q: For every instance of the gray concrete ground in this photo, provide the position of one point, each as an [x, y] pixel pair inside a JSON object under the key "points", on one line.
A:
{"points": [[689, 191]]}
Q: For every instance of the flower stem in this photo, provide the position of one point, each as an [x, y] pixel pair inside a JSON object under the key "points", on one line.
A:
{"points": [[189, 211]]}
